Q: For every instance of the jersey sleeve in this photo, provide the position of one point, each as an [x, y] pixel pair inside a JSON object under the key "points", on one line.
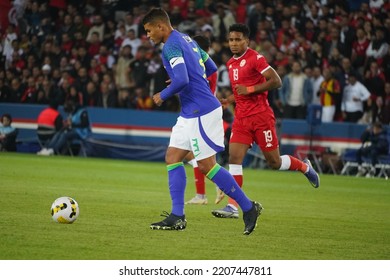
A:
{"points": [[178, 74], [260, 63], [171, 51], [204, 55]]}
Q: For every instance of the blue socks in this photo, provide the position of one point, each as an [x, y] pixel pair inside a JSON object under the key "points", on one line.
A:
{"points": [[177, 185], [221, 177], [225, 181]]}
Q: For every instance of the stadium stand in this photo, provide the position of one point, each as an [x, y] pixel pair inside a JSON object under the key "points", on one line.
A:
{"points": [[48, 51]]}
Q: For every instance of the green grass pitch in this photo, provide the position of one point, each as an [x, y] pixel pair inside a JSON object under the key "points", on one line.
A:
{"points": [[346, 218]]}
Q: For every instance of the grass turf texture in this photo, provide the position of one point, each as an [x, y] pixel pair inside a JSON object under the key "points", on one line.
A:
{"points": [[346, 218]]}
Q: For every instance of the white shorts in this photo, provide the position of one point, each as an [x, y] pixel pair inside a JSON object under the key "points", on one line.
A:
{"points": [[204, 136], [328, 113]]}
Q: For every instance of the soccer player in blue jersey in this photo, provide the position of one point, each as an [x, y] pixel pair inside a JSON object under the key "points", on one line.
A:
{"points": [[199, 127]]}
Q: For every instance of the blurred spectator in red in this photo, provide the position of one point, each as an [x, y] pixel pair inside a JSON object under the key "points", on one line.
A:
{"points": [[383, 104], [55, 6], [94, 44], [181, 4], [18, 63], [104, 57], [92, 95], [374, 80], [280, 59], [359, 47], [285, 34], [30, 92], [66, 44]]}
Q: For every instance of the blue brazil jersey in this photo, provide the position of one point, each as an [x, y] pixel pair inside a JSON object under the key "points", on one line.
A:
{"points": [[196, 97]]}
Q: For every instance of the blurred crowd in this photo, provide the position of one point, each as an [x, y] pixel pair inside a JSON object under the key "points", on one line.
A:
{"points": [[332, 53]]}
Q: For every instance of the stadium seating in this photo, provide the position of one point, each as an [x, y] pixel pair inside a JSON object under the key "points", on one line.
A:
{"points": [[76, 147], [384, 161], [349, 160]]}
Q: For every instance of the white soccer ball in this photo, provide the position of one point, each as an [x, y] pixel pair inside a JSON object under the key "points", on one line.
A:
{"points": [[65, 210]]}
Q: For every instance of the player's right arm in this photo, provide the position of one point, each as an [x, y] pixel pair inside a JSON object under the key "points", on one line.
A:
{"points": [[273, 81]]}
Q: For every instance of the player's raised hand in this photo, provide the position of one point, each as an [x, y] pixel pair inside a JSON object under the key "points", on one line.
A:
{"points": [[157, 99]]}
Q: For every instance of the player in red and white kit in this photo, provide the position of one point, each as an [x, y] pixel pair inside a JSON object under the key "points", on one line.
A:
{"points": [[251, 78]]}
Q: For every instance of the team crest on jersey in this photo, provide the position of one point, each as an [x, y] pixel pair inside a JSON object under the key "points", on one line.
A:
{"points": [[259, 56], [242, 63], [187, 38], [230, 67]]}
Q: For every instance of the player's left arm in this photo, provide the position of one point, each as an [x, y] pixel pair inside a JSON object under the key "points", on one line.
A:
{"points": [[178, 77], [273, 81], [176, 83]]}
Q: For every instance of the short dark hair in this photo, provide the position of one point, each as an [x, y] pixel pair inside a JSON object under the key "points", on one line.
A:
{"points": [[203, 42], [156, 14], [239, 27], [8, 116]]}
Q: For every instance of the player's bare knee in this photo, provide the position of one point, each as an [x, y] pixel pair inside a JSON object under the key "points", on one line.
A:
{"points": [[170, 159], [206, 165], [274, 164], [203, 169]]}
